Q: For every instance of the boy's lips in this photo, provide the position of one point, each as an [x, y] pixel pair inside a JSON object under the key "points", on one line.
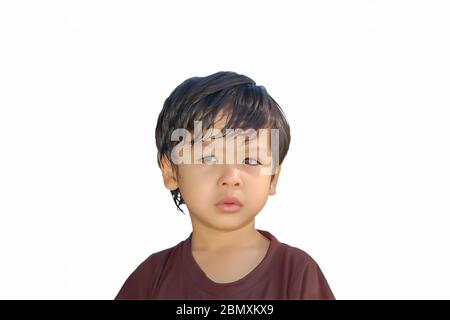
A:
{"points": [[229, 204]]}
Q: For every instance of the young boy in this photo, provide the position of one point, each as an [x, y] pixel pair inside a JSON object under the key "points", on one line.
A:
{"points": [[221, 141]]}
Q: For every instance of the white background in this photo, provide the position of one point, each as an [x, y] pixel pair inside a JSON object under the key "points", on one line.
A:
{"points": [[365, 186]]}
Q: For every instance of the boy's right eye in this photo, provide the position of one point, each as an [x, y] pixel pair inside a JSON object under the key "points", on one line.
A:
{"points": [[209, 160]]}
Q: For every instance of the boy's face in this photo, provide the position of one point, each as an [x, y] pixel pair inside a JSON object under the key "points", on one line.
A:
{"points": [[214, 177]]}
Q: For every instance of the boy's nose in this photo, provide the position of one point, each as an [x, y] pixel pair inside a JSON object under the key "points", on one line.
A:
{"points": [[230, 177]]}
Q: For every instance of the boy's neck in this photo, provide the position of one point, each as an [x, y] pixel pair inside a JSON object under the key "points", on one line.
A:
{"points": [[205, 238]]}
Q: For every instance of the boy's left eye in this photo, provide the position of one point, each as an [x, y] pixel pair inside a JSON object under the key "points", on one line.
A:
{"points": [[253, 162]]}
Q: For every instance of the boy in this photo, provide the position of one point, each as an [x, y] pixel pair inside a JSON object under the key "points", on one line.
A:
{"points": [[225, 256]]}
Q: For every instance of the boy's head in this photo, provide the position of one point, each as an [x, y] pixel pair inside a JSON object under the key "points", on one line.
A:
{"points": [[205, 110]]}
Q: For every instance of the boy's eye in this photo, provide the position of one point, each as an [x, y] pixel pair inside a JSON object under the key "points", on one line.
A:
{"points": [[253, 162], [209, 159]]}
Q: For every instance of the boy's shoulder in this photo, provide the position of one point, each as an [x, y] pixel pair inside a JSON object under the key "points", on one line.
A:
{"points": [[287, 252], [160, 258], [143, 279]]}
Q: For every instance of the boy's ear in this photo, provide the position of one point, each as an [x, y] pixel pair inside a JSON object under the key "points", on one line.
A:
{"points": [[168, 173], [274, 181]]}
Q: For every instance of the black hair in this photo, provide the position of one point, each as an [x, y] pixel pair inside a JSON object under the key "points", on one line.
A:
{"points": [[201, 98]]}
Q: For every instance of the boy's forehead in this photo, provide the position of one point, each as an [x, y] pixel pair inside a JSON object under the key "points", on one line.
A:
{"points": [[240, 138], [221, 120], [249, 136]]}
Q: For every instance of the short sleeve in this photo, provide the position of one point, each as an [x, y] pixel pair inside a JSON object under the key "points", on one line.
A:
{"points": [[137, 284], [314, 286]]}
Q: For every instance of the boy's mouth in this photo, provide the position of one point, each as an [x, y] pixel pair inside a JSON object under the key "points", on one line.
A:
{"points": [[229, 204]]}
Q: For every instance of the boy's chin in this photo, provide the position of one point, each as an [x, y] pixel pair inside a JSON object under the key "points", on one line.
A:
{"points": [[225, 221]]}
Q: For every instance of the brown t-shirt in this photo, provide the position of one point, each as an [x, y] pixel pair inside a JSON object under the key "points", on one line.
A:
{"points": [[284, 273]]}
